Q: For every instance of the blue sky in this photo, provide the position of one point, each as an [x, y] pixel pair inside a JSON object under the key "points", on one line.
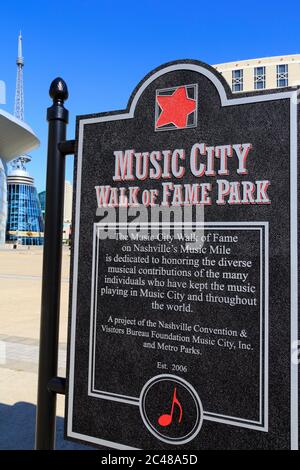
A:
{"points": [[104, 48]]}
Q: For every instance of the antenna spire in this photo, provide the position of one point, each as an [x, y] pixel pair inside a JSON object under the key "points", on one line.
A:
{"points": [[20, 162], [19, 98], [20, 59]]}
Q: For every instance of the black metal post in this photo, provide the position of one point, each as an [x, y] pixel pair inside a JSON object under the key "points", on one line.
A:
{"points": [[57, 117]]}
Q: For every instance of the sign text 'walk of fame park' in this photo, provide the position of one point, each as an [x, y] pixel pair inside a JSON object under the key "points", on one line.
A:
{"points": [[183, 315]]}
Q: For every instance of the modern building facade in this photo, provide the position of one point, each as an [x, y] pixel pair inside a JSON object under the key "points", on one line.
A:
{"points": [[261, 74], [67, 228], [68, 202], [3, 202], [67, 223], [16, 138], [25, 224], [42, 199]]}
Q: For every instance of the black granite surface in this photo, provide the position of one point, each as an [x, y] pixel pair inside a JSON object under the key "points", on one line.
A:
{"points": [[226, 383]]}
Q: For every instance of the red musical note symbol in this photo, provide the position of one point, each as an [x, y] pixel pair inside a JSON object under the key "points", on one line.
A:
{"points": [[166, 419]]}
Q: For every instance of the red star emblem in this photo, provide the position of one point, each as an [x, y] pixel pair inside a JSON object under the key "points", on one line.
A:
{"points": [[175, 108]]}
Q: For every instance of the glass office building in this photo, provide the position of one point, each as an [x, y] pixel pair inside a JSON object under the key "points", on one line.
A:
{"points": [[25, 223], [42, 199], [3, 202], [16, 137]]}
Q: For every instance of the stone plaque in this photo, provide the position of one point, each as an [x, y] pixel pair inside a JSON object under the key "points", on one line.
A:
{"points": [[183, 309]]}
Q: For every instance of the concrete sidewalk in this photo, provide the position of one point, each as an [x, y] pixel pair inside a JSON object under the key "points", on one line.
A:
{"points": [[20, 294], [18, 411]]}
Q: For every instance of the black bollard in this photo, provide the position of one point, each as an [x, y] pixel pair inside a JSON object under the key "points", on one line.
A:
{"points": [[57, 117]]}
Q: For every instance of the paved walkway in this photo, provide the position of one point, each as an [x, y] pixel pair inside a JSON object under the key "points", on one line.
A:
{"points": [[18, 353], [15, 277], [20, 299]]}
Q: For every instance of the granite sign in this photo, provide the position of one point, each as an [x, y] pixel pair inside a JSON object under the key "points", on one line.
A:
{"points": [[183, 310]]}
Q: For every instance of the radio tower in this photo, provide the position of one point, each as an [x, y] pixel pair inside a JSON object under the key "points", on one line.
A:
{"points": [[20, 162], [19, 98], [24, 222]]}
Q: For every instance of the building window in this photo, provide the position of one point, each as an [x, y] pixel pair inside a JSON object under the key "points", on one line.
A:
{"points": [[282, 75], [259, 78], [24, 223], [237, 80]]}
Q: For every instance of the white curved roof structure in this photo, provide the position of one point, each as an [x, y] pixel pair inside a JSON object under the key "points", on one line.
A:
{"points": [[16, 137]]}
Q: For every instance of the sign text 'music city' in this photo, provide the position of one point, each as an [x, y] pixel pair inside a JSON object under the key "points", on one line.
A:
{"points": [[201, 161]]}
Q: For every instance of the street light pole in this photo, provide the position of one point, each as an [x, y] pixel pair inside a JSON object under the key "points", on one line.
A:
{"points": [[57, 117]]}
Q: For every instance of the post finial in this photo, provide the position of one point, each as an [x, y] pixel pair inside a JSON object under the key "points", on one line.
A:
{"points": [[58, 90]]}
